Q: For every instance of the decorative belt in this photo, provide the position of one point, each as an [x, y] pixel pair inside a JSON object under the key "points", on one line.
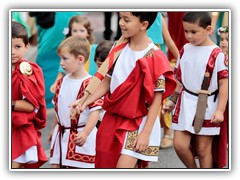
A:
{"points": [[63, 128], [215, 93], [202, 95]]}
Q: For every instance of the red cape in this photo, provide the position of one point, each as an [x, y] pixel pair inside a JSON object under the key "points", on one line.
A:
{"points": [[26, 126], [220, 143], [126, 106]]}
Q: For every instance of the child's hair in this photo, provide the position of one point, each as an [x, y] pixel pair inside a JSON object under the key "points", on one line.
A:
{"points": [[85, 22], [76, 46], [19, 31], [202, 18], [146, 16], [102, 50], [223, 29]]}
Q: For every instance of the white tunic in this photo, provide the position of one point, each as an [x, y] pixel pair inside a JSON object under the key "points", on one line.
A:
{"points": [[68, 93], [193, 65], [125, 64]]}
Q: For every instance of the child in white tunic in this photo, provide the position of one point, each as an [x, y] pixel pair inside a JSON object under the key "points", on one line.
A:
{"points": [[134, 92], [73, 140], [196, 58]]}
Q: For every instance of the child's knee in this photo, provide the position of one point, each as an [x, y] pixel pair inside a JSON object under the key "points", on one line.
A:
{"points": [[180, 148], [202, 151]]}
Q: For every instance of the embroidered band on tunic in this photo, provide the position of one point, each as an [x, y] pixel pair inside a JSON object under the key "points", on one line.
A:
{"points": [[150, 151], [160, 84]]}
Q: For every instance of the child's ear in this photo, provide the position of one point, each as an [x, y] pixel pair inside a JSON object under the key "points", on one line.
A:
{"points": [[27, 46], [145, 25], [209, 28], [81, 58]]}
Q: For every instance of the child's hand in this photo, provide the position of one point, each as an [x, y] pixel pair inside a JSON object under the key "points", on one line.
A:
{"points": [[76, 108], [217, 117], [80, 138], [168, 106], [141, 142], [50, 136]]}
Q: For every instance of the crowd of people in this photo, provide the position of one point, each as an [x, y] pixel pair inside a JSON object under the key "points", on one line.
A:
{"points": [[155, 75]]}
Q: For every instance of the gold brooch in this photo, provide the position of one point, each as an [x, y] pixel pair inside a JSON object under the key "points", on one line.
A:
{"points": [[26, 68]]}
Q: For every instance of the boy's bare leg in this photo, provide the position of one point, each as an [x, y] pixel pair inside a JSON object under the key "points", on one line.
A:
{"points": [[181, 143], [126, 161], [16, 165], [55, 165], [204, 151]]}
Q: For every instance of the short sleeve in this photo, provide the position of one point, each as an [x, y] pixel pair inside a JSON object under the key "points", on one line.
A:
{"points": [[160, 84]]}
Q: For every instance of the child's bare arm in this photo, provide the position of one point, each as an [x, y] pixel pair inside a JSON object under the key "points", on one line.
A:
{"points": [[103, 88], [53, 86], [222, 101], [168, 39], [169, 105], [81, 137], [23, 106], [53, 126], [215, 16]]}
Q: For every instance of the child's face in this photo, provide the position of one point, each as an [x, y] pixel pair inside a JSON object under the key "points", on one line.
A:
{"points": [[79, 30], [195, 34], [129, 24], [224, 42], [68, 61], [18, 49]]}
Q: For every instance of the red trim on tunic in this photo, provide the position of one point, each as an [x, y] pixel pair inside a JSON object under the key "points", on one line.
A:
{"points": [[177, 108], [223, 74], [207, 124], [127, 105], [211, 62], [113, 51], [26, 126]]}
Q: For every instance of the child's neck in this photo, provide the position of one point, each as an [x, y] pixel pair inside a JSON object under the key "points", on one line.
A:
{"points": [[140, 42], [79, 74], [207, 42]]}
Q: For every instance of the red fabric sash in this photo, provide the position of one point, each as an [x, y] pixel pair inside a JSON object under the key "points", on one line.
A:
{"points": [[126, 106], [25, 126]]}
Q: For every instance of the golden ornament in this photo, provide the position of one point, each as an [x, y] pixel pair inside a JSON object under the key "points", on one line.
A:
{"points": [[26, 68]]}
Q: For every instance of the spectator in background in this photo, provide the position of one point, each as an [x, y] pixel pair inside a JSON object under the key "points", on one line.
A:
{"points": [[79, 26], [49, 27], [107, 34], [176, 31]]}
